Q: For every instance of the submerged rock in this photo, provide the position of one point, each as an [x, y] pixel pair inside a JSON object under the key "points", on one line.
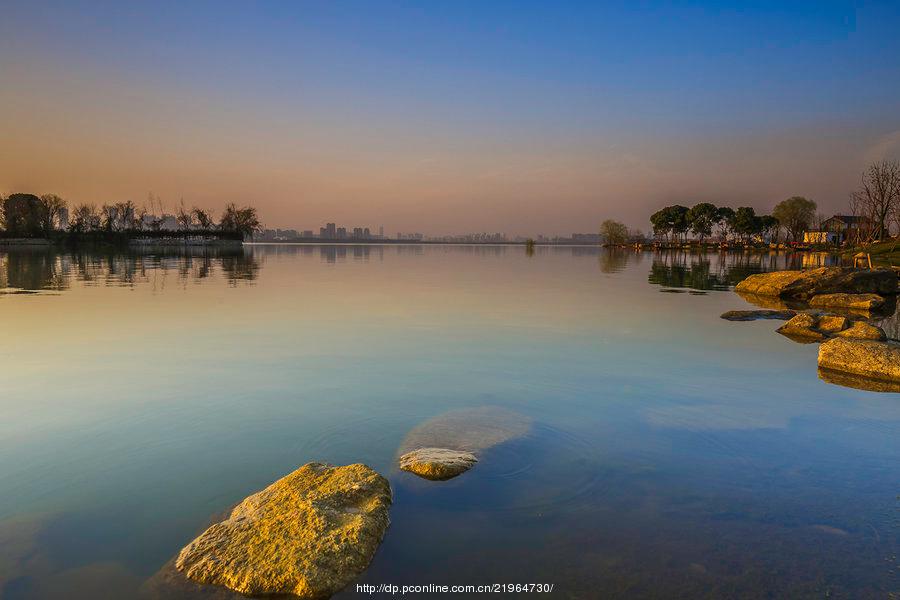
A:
{"points": [[437, 464], [753, 315], [860, 302], [469, 429], [802, 326], [866, 358], [803, 285], [308, 534], [863, 331]]}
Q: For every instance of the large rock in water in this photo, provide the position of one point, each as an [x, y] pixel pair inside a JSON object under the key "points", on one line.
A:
{"points": [[308, 534], [866, 358], [437, 464], [803, 285]]}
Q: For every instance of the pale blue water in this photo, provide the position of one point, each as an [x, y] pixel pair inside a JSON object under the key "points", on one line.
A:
{"points": [[672, 454]]}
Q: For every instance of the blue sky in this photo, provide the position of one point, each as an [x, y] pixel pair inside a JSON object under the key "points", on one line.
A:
{"points": [[329, 110]]}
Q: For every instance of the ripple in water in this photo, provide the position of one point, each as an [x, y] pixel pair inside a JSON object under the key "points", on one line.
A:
{"points": [[545, 471]]}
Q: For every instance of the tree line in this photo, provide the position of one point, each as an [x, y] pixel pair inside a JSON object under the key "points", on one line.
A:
{"points": [[876, 202], [28, 215], [674, 223]]}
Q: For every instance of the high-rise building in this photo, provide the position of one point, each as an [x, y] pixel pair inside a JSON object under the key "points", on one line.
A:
{"points": [[328, 232]]}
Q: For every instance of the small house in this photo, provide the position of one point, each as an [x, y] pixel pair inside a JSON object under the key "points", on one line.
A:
{"points": [[847, 228]]}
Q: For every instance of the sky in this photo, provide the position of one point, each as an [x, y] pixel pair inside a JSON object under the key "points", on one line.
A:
{"points": [[448, 117]]}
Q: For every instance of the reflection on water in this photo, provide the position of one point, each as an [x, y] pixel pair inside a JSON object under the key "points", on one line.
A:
{"points": [[47, 269], [676, 269], [668, 453]]}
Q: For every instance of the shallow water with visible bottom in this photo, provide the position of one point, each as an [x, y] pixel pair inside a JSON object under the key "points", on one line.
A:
{"points": [[670, 454]]}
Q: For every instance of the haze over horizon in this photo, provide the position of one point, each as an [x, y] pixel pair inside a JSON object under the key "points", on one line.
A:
{"points": [[448, 118]]}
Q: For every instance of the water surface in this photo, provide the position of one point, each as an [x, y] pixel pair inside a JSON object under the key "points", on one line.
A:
{"points": [[671, 454]]}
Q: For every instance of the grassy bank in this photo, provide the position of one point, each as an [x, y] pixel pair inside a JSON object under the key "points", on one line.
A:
{"points": [[884, 253]]}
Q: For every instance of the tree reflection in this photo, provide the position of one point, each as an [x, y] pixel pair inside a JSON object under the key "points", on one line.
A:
{"points": [[47, 269], [718, 271]]}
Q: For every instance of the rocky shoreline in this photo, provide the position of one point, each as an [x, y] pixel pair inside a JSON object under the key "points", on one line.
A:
{"points": [[834, 306]]}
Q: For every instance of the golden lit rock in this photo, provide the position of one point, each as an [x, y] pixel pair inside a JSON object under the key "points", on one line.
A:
{"points": [[863, 331], [802, 326], [803, 285], [437, 463], [309, 534], [866, 358], [858, 302]]}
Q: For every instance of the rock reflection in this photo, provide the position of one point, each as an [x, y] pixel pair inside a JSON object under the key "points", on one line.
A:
{"points": [[857, 382]]}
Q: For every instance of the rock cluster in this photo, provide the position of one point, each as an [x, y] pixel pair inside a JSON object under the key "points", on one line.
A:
{"points": [[309, 534], [853, 350]]}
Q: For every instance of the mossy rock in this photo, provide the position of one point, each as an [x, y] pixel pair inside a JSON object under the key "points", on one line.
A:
{"points": [[309, 534]]}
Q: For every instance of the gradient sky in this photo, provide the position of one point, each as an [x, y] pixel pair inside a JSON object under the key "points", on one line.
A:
{"points": [[448, 117]]}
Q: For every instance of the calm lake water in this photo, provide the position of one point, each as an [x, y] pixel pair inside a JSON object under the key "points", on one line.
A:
{"points": [[671, 454]]}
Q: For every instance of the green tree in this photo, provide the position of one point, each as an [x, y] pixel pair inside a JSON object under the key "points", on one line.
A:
{"points": [[670, 220], [795, 214], [701, 218], [745, 222], [660, 222], [769, 224], [679, 217], [23, 215], [613, 232], [724, 219]]}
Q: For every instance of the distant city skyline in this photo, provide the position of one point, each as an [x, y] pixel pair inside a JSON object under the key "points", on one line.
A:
{"points": [[444, 118]]}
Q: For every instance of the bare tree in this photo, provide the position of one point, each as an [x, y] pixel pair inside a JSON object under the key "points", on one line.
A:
{"points": [[140, 216], [84, 218], [127, 213], [53, 206], [878, 198], [184, 217], [203, 218]]}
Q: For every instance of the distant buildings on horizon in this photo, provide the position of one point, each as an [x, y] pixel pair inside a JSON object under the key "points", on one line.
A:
{"points": [[331, 232]]}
